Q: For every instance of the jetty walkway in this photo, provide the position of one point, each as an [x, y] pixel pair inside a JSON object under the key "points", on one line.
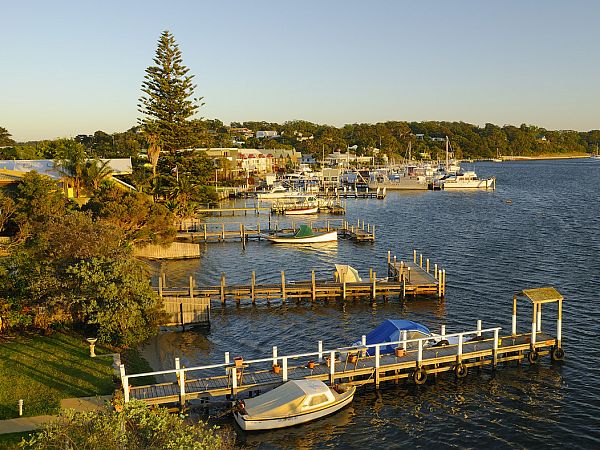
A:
{"points": [[413, 359]]}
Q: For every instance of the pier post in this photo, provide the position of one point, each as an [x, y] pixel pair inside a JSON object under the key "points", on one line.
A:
{"points": [[363, 340], [344, 288], [435, 271], [332, 367], [444, 283], [373, 232], [403, 287], [374, 288], [389, 257], [124, 383], [414, 256], [226, 361], [443, 331], [439, 282], [404, 338], [539, 318], [313, 285], [253, 287], [283, 293], [427, 265], [420, 354], [284, 368], [274, 355], [559, 325], [478, 328], [514, 316], [377, 363], [370, 275], [421, 260], [258, 229], [233, 381], [459, 350], [204, 231], [495, 347], [160, 286], [223, 231], [320, 350], [533, 327], [223, 288], [408, 274]]}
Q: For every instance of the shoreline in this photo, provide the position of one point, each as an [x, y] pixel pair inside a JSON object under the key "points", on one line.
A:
{"points": [[544, 157]]}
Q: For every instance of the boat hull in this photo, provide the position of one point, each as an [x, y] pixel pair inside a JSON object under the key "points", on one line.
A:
{"points": [[469, 184], [247, 423], [301, 211], [325, 237]]}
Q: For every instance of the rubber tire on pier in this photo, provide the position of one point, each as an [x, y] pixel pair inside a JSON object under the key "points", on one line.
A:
{"points": [[420, 376], [557, 354], [533, 357], [461, 371]]}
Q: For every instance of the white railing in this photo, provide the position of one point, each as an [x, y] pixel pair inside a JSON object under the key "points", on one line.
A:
{"points": [[232, 370]]}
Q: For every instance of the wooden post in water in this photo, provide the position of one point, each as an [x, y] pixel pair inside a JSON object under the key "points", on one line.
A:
{"points": [[435, 271], [444, 283], [258, 230], [223, 231], [495, 349], [377, 364], [370, 275], [204, 231], [313, 286], [320, 350], [243, 231], [252, 287], [373, 232], [374, 288], [514, 316], [223, 288], [439, 281], [421, 261], [283, 293], [414, 256], [427, 265], [331, 367]]}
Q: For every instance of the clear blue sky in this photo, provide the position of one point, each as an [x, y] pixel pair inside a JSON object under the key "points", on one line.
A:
{"points": [[71, 67]]}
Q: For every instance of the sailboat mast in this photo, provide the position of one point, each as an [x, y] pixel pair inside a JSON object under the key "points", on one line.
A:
{"points": [[447, 155]]}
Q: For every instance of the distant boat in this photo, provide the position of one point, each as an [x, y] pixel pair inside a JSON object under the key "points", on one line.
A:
{"points": [[292, 403], [277, 192], [304, 235], [466, 180], [301, 211]]}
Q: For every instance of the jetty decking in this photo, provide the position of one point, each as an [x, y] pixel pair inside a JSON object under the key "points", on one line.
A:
{"points": [[197, 231], [404, 279], [413, 359]]}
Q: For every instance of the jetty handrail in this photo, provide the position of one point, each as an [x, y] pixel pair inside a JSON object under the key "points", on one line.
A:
{"points": [[317, 353]]}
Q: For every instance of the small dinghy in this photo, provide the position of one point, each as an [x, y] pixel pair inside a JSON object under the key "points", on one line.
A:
{"points": [[304, 235], [293, 403]]}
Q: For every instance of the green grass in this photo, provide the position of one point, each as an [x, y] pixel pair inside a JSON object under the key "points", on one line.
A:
{"points": [[11, 441], [42, 370]]}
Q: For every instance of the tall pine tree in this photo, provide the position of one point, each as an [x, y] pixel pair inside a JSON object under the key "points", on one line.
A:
{"points": [[167, 101]]}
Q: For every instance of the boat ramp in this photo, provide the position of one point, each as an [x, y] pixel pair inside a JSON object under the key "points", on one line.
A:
{"points": [[414, 360]]}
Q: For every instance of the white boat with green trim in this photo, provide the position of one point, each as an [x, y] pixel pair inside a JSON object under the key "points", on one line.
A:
{"points": [[304, 235], [292, 403]]}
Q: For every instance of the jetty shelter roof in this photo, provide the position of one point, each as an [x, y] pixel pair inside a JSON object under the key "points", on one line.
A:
{"points": [[542, 295]]}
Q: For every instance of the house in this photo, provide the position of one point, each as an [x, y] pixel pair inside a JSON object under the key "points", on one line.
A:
{"points": [[267, 134], [308, 159], [283, 156]]}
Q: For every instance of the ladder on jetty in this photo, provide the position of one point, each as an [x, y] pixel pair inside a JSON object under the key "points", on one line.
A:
{"points": [[413, 359], [404, 279], [197, 231]]}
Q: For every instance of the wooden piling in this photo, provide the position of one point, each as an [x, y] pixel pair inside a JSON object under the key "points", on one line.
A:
{"points": [[313, 286], [253, 288], [223, 288], [283, 293]]}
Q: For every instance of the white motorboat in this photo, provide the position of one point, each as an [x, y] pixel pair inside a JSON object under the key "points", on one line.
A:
{"points": [[304, 235], [293, 403], [466, 180], [277, 192], [301, 211]]}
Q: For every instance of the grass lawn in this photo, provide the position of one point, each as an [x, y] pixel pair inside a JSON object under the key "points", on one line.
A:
{"points": [[42, 370]]}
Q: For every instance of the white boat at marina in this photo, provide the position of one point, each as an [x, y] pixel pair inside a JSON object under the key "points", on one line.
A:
{"points": [[278, 192], [298, 211], [304, 235], [466, 180], [293, 403]]}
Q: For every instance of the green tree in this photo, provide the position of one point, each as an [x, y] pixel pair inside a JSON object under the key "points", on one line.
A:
{"points": [[167, 101], [95, 173], [5, 137], [137, 426]]}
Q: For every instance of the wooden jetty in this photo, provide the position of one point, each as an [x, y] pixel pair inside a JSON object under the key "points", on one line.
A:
{"points": [[416, 360], [348, 192], [404, 279], [196, 231], [185, 308]]}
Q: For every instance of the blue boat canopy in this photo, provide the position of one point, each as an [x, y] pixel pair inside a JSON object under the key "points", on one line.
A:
{"points": [[391, 331]]}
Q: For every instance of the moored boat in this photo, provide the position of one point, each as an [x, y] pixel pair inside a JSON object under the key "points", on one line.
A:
{"points": [[466, 180], [293, 403], [301, 211], [277, 192], [304, 235]]}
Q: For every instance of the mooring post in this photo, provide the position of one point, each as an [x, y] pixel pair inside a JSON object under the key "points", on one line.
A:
{"points": [[363, 340], [252, 287], [478, 328], [514, 316], [435, 271], [414, 256], [439, 283], [223, 231], [370, 274], [421, 260], [124, 383], [408, 273], [343, 287], [243, 233], [443, 331], [533, 327], [374, 289], [444, 283], [204, 224], [320, 350], [404, 338], [223, 288], [539, 318], [559, 325], [313, 286], [403, 287], [332, 367], [420, 354], [495, 347], [284, 368], [373, 232], [283, 293], [258, 230], [427, 265], [389, 257], [377, 364], [459, 348], [233, 381], [274, 355]]}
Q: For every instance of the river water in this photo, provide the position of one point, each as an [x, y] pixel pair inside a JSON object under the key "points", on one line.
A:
{"points": [[539, 228]]}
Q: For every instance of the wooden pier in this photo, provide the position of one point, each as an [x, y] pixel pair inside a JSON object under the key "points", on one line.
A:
{"points": [[196, 231], [416, 360], [404, 279]]}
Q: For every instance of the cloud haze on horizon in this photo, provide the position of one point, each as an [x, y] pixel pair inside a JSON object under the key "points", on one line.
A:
{"points": [[77, 67]]}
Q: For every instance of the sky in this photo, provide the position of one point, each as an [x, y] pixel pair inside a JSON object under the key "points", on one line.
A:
{"points": [[75, 67]]}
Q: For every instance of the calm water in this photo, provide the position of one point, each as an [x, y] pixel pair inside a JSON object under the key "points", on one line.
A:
{"points": [[548, 235]]}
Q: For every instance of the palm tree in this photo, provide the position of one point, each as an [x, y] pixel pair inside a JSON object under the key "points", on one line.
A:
{"points": [[96, 171], [71, 162]]}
